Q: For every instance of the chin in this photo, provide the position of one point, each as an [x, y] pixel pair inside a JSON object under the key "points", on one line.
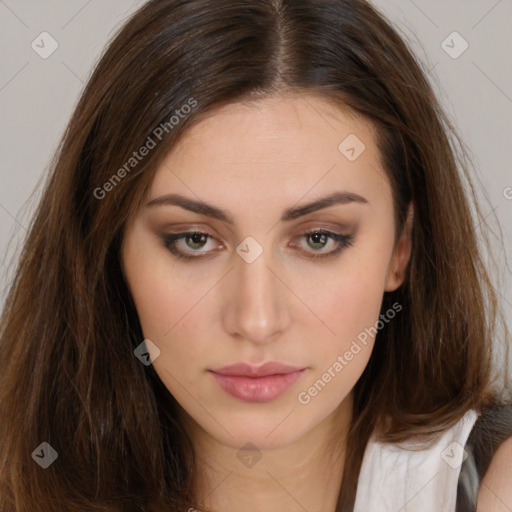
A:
{"points": [[265, 429]]}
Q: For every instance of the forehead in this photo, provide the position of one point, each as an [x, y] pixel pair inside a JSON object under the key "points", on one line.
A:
{"points": [[301, 144]]}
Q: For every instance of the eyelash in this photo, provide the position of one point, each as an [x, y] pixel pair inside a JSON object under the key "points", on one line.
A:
{"points": [[343, 242]]}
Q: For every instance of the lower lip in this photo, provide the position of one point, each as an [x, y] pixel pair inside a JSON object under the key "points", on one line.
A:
{"points": [[257, 389]]}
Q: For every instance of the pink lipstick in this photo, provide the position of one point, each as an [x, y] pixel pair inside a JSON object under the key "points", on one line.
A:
{"points": [[257, 383]]}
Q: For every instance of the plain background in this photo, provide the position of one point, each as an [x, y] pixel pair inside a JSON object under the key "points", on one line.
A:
{"points": [[37, 96]]}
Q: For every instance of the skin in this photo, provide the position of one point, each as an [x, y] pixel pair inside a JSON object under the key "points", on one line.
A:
{"points": [[255, 161], [495, 494]]}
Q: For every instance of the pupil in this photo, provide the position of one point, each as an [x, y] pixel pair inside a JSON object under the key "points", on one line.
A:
{"points": [[316, 240], [196, 238]]}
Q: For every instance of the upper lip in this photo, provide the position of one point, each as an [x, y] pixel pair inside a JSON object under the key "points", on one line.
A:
{"points": [[247, 370]]}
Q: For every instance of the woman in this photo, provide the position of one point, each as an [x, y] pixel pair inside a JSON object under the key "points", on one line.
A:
{"points": [[253, 281]]}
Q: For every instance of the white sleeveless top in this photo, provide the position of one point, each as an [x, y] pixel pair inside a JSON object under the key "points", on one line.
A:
{"points": [[397, 478]]}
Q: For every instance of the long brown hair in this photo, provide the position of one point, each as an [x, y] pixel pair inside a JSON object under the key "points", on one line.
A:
{"points": [[68, 375]]}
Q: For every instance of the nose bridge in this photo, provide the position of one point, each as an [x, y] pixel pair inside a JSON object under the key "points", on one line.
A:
{"points": [[257, 302]]}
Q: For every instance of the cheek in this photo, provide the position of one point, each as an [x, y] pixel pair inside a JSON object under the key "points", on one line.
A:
{"points": [[349, 304], [350, 310], [168, 310], [151, 295], [154, 299], [159, 308], [349, 301], [160, 296]]}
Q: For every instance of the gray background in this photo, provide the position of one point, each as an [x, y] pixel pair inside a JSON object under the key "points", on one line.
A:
{"points": [[37, 95]]}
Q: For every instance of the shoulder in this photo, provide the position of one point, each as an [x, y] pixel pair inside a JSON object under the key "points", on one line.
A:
{"points": [[490, 449], [495, 493]]}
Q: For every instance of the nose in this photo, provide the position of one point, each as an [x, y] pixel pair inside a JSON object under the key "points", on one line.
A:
{"points": [[255, 306]]}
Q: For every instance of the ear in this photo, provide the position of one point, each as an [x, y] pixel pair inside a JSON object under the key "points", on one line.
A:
{"points": [[398, 264]]}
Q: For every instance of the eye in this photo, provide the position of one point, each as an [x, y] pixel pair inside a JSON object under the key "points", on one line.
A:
{"points": [[194, 241], [319, 239]]}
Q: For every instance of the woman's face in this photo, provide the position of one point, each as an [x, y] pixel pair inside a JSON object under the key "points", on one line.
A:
{"points": [[253, 286]]}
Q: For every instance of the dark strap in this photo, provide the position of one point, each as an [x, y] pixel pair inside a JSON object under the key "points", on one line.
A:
{"points": [[490, 430]]}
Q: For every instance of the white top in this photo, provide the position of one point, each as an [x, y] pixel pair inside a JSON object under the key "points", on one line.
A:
{"points": [[407, 478]]}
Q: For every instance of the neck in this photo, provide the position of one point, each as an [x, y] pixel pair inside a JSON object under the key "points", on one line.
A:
{"points": [[304, 475]]}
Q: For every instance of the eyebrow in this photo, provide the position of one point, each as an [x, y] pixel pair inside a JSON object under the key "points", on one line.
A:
{"points": [[289, 214]]}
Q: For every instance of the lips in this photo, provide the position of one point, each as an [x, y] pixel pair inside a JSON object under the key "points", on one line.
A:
{"points": [[257, 383], [247, 370]]}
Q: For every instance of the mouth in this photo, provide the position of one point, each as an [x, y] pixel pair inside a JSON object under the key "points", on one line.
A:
{"points": [[257, 384]]}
